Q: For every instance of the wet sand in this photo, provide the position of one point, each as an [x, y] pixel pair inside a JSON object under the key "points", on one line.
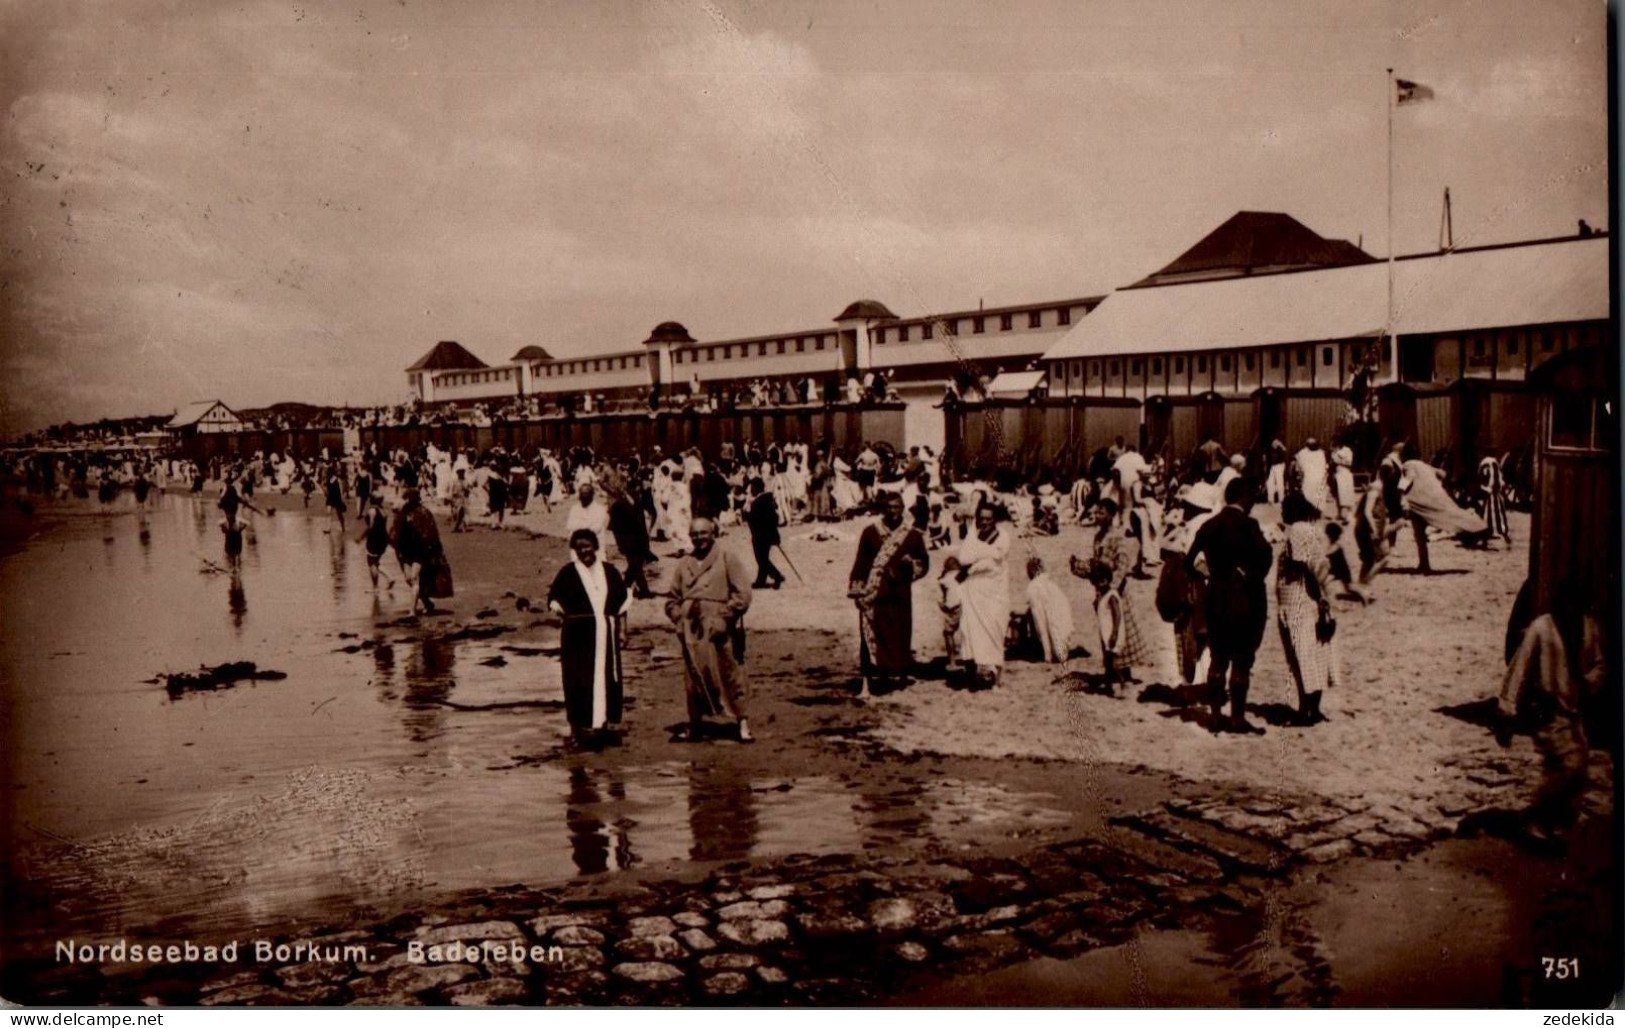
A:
{"points": [[403, 773]]}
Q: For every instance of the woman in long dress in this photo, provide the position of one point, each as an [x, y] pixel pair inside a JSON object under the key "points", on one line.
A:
{"points": [[821, 500], [985, 596], [1303, 587], [679, 514], [591, 598]]}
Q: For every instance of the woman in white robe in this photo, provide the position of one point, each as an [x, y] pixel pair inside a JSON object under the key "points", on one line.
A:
{"points": [[848, 494], [985, 581], [1050, 611]]}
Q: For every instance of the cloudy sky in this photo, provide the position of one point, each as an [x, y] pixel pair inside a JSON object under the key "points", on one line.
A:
{"points": [[264, 201]]}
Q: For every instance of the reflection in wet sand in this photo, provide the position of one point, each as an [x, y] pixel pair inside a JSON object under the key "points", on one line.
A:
{"points": [[597, 843], [236, 598], [721, 814], [429, 682]]}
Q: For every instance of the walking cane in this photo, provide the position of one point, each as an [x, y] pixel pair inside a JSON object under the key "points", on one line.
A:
{"points": [[790, 563], [863, 673]]}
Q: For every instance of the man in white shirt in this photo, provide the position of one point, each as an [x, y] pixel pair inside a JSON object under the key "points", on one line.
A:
{"points": [[589, 514]]}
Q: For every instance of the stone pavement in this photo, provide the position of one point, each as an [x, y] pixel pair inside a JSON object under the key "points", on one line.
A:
{"points": [[803, 931]]}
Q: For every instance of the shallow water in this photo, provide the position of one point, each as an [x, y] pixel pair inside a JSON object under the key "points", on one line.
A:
{"points": [[1462, 925], [365, 782]]}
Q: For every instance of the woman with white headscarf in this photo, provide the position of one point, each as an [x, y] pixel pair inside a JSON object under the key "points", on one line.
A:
{"points": [[591, 597], [985, 584]]}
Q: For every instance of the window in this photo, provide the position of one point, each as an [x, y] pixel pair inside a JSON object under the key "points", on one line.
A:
{"points": [[902, 333], [1179, 365], [801, 345], [1201, 365], [1546, 342], [978, 325], [1478, 347], [1327, 356], [1303, 358], [1063, 315], [1224, 364], [928, 331], [1077, 370], [1156, 365], [1512, 345], [820, 342], [710, 353], [1094, 369], [950, 326], [780, 345], [1035, 319], [1275, 358], [1134, 367], [1112, 369], [1005, 322], [1247, 361], [1581, 422]]}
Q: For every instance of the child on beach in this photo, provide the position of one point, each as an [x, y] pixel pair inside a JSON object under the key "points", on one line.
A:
{"points": [[951, 602], [375, 531]]}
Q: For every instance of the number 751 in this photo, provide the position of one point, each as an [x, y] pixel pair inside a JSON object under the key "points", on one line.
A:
{"points": [[1561, 967]]}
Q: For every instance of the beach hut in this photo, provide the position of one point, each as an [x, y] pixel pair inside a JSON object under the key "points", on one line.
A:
{"points": [[1574, 535]]}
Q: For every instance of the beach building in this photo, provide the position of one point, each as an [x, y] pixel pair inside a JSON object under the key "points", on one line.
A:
{"points": [[205, 417], [1262, 326]]}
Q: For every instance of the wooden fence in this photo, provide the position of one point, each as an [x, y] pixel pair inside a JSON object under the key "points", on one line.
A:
{"points": [[622, 433], [1059, 433], [304, 443], [1465, 420]]}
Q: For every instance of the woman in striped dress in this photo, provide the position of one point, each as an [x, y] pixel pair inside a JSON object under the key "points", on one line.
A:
{"points": [[1303, 584]]}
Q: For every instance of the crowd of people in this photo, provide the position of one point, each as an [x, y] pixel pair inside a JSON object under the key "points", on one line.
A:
{"points": [[1185, 529]]}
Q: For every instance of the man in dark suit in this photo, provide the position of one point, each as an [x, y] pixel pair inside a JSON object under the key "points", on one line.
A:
{"points": [[1237, 559], [763, 519], [631, 533]]}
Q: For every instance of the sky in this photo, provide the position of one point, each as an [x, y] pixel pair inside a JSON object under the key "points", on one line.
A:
{"points": [[269, 201]]}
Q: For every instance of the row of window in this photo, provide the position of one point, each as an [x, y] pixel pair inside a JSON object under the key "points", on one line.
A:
{"points": [[1225, 363], [762, 349], [1063, 316], [475, 377], [1540, 342], [557, 368], [978, 325]]}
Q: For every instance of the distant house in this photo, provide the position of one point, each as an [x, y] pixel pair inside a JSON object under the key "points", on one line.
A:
{"points": [[202, 417]]}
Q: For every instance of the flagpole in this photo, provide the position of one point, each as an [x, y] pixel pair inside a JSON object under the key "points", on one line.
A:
{"points": [[1393, 340]]}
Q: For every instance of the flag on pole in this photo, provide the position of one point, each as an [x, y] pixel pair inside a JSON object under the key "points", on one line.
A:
{"points": [[1411, 92]]}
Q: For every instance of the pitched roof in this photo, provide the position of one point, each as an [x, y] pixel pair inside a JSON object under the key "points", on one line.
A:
{"points": [[1538, 283], [1252, 241], [532, 353], [192, 413], [447, 356]]}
